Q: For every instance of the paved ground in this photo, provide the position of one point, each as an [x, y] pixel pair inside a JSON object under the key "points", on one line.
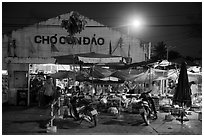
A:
{"points": [[21, 120]]}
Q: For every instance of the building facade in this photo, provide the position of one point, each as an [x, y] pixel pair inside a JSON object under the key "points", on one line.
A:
{"points": [[39, 43]]}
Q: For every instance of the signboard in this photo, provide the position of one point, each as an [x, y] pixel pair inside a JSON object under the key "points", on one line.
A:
{"points": [[62, 39]]}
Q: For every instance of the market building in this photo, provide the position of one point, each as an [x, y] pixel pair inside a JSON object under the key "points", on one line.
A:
{"points": [[39, 43]]}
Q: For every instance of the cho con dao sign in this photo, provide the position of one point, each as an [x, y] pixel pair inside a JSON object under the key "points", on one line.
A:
{"points": [[63, 39]]}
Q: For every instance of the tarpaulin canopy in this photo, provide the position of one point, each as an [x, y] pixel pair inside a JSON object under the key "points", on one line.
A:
{"points": [[159, 72], [129, 74], [173, 74], [67, 59], [99, 72], [124, 75], [181, 60], [161, 78], [164, 63], [90, 58], [63, 74], [146, 77], [70, 74], [99, 58], [196, 77], [98, 81], [110, 79], [143, 63]]}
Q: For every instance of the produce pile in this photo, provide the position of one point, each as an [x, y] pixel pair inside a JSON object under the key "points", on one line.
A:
{"points": [[4, 88]]}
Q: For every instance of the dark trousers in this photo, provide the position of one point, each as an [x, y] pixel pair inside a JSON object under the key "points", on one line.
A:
{"points": [[48, 99], [74, 106], [153, 105]]}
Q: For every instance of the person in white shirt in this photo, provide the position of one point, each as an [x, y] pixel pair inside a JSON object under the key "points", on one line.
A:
{"points": [[194, 90], [155, 89], [194, 87], [49, 90]]}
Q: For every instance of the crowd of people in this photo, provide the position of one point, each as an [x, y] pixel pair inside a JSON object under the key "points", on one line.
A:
{"points": [[52, 88]]}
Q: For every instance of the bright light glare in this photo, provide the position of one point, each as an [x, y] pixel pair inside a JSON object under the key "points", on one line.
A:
{"points": [[136, 23]]}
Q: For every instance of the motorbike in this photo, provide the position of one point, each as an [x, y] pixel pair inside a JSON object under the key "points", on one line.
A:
{"points": [[83, 109], [144, 108]]}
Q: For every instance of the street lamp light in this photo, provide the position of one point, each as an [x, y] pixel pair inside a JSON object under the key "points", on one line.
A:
{"points": [[135, 23]]}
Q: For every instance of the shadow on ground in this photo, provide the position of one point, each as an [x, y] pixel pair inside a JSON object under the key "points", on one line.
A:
{"points": [[67, 124], [125, 120], [42, 123]]}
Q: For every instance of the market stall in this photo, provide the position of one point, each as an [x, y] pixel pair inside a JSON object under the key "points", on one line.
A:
{"points": [[4, 87], [88, 58]]}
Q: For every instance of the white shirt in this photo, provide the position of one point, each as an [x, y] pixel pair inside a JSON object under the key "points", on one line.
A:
{"points": [[155, 89], [194, 89], [49, 89]]}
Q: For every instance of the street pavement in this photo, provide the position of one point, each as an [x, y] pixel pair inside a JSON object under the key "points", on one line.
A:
{"points": [[18, 120]]}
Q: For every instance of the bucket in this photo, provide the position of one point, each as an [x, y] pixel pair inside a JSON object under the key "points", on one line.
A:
{"points": [[52, 129]]}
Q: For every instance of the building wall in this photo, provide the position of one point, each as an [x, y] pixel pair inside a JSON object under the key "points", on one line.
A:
{"points": [[35, 41], [15, 82], [32, 44]]}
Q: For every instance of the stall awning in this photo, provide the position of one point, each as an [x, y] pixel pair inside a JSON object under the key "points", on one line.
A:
{"points": [[63, 74], [98, 72], [129, 74], [99, 58], [146, 76], [90, 58], [67, 59]]}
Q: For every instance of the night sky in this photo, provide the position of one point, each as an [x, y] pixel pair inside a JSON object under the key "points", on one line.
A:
{"points": [[178, 24]]}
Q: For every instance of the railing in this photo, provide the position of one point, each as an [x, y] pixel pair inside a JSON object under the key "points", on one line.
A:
{"points": [[55, 111]]}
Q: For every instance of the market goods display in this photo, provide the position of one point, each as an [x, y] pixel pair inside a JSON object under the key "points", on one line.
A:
{"points": [[4, 88]]}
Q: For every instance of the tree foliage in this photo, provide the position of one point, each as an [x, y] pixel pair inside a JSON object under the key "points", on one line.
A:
{"points": [[75, 24], [159, 51], [174, 55]]}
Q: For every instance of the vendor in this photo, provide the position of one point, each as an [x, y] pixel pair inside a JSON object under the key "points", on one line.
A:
{"points": [[194, 90], [146, 96], [125, 100], [99, 90], [194, 87], [91, 90], [123, 88], [131, 87], [110, 89], [49, 90], [155, 89]]}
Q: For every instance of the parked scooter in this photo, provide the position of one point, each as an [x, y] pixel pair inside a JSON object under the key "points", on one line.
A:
{"points": [[145, 108], [83, 109]]}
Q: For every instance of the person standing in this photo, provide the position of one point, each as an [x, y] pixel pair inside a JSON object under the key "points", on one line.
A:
{"points": [[194, 91], [194, 87], [49, 90], [155, 89]]}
